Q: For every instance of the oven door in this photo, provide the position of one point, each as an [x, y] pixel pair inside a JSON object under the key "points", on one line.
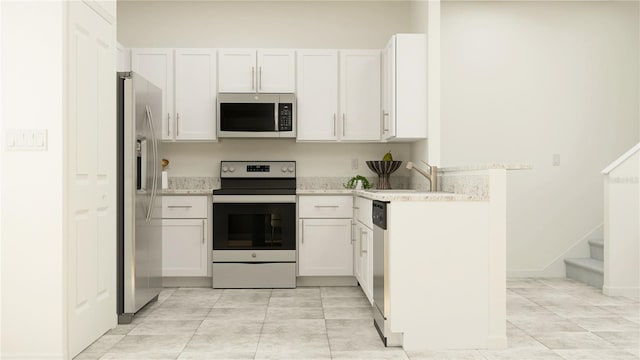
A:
{"points": [[247, 222]]}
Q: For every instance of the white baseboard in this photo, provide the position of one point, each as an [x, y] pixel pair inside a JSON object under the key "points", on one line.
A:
{"points": [[326, 281], [27, 356], [497, 342], [630, 292], [203, 282]]}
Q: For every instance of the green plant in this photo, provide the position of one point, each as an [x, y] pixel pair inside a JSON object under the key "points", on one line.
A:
{"points": [[351, 184]]}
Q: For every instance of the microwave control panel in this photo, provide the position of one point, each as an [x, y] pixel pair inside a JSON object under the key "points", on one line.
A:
{"points": [[285, 117]]}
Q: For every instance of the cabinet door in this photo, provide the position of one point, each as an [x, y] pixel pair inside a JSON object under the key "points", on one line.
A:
{"points": [[364, 258], [324, 247], [195, 94], [410, 86], [276, 71], [357, 258], [360, 95], [367, 254], [317, 95], [156, 65], [184, 247], [388, 90], [237, 70]]}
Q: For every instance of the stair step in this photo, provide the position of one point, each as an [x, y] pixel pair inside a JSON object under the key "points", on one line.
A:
{"points": [[596, 248], [586, 270]]}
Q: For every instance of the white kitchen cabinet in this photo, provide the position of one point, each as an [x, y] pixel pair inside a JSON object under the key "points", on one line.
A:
{"points": [[360, 95], [325, 246], [363, 258], [251, 70], [363, 240], [187, 78], [195, 94], [185, 236], [317, 95], [184, 249], [404, 88], [338, 106], [156, 65]]}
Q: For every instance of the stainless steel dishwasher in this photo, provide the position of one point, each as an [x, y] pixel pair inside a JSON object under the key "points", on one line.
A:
{"points": [[381, 298]]}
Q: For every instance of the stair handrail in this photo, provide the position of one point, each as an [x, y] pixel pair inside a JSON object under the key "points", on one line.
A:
{"points": [[621, 159]]}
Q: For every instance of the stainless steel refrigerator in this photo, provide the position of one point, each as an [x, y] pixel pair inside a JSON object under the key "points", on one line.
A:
{"points": [[139, 246]]}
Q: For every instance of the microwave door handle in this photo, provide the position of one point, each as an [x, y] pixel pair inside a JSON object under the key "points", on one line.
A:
{"points": [[276, 116]]}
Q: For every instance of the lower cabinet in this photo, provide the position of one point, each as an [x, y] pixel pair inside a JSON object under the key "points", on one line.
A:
{"points": [[184, 247], [185, 236], [325, 247], [363, 258]]}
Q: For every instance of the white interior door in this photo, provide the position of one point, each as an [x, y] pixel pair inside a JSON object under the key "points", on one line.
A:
{"points": [[91, 177]]}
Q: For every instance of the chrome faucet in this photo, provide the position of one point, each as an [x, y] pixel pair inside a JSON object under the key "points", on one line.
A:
{"points": [[431, 175]]}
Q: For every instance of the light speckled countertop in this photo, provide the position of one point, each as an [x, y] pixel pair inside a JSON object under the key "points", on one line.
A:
{"points": [[486, 167], [390, 195], [171, 192], [324, 191], [393, 195]]}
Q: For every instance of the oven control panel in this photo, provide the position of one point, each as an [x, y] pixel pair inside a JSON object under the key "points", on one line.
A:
{"points": [[257, 169]]}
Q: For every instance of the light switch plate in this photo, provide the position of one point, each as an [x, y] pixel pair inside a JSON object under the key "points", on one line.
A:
{"points": [[26, 139], [556, 159]]}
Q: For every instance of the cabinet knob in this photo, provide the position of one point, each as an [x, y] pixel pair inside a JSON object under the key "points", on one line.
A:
{"points": [[253, 255]]}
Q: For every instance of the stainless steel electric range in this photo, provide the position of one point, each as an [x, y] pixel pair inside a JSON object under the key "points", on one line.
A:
{"points": [[254, 225]]}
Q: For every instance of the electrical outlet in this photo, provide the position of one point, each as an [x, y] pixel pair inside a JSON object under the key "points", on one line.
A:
{"points": [[354, 164], [556, 159], [26, 139]]}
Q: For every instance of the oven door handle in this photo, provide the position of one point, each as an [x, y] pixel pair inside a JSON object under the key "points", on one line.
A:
{"points": [[253, 199]]}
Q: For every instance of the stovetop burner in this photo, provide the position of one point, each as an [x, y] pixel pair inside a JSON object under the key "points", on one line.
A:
{"points": [[257, 178]]}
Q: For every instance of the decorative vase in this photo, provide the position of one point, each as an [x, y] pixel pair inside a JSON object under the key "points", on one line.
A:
{"points": [[383, 169]]}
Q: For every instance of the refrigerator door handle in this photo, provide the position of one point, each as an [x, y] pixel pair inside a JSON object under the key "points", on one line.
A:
{"points": [[154, 144]]}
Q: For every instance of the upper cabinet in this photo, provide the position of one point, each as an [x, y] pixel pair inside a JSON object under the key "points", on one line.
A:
{"points": [[404, 88], [187, 78], [195, 94], [156, 65], [317, 95], [360, 95], [250, 70], [338, 105]]}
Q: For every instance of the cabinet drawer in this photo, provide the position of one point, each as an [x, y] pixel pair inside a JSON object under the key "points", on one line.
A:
{"points": [[184, 207], [325, 206], [362, 211]]}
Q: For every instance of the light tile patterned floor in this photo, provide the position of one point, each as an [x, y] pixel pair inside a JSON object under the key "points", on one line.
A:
{"points": [[547, 319]]}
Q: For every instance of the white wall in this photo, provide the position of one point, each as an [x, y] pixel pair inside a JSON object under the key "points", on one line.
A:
{"points": [[33, 317], [324, 160], [522, 81], [269, 24], [425, 18], [286, 24], [622, 229]]}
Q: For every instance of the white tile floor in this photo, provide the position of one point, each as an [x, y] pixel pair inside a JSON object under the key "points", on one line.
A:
{"points": [[547, 319]]}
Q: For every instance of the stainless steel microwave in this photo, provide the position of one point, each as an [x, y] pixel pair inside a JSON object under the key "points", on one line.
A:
{"points": [[256, 115]]}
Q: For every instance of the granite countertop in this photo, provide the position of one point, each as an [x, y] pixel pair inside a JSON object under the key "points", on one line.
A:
{"points": [[324, 191], [391, 195], [486, 167], [186, 192]]}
